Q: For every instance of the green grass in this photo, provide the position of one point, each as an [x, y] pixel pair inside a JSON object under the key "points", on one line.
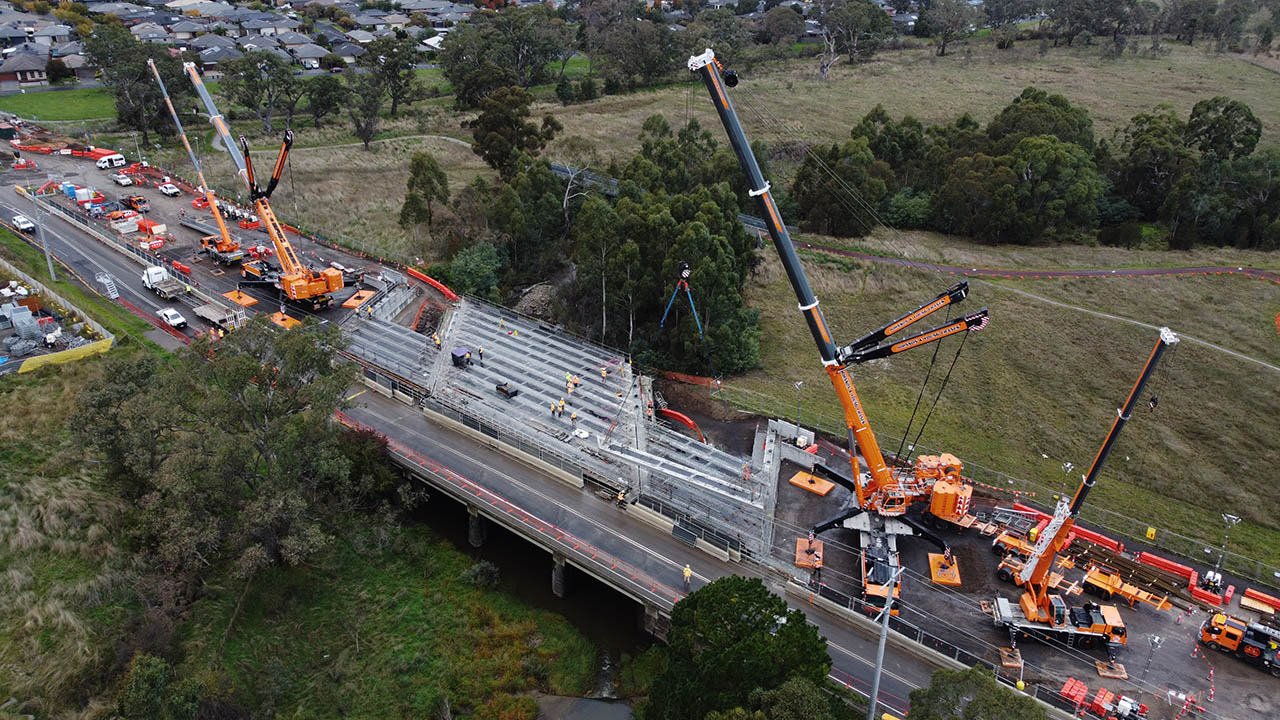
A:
{"points": [[387, 634], [1043, 380], [80, 104]]}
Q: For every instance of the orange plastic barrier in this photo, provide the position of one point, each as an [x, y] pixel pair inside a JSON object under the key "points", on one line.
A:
{"points": [[1262, 597], [1204, 595], [687, 379], [453, 297], [1169, 565], [184, 269], [683, 420]]}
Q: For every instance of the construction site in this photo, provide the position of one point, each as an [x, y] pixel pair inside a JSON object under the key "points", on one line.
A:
{"points": [[1090, 624]]}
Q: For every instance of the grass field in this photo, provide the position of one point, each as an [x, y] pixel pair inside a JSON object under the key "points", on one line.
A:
{"points": [[79, 104], [386, 634], [1043, 381], [785, 101]]}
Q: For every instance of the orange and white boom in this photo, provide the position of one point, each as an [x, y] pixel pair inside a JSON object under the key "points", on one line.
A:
{"points": [[298, 281], [1034, 574], [882, 493], [225, 244]]}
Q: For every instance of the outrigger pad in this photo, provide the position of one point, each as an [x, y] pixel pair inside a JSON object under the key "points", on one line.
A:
{"points": [[1113, 670], [240, 298], [284, 321], [812, 483], [1011, 657], [808, 556], [942, 573]]}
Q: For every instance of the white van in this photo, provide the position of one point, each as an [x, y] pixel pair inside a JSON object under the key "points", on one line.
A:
{"points": [[112, 161]]}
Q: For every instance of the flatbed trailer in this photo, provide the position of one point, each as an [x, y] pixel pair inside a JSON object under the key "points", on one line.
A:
{"points": [[220, 316]]}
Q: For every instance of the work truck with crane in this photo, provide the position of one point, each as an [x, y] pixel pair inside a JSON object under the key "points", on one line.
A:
{"points": [[220, 247], [1250, 641], [880, 496], [1041, 613], [300, 285]]}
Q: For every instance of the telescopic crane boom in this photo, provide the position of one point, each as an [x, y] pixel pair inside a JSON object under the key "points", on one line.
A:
{"points": [[223, 248], [882, 492], [299, 283], [1047, 614]]}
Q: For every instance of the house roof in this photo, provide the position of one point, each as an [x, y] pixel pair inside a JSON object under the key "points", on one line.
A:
{"points": [[292, 38], [119, 9], [152, 35], [328, 31], [258, 42], [53, 31], [31, 48], [187, 26], [310, 50], [367, 20], [21, 62], [10, 32], [219, 54], [348, 50], [396, 18], [144, 27], [360, 36], [67, 48], [74, 62], [211, 40]]}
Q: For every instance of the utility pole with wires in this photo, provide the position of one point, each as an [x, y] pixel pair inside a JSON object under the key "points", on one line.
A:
{"points": [[874, 698], [39, 223]]}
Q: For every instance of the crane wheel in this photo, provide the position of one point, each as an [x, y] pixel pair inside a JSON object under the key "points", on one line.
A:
{"points": [[1005, 574]]}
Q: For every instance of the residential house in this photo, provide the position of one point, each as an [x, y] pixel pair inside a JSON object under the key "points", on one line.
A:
{"points": [[328, 32], [159, 37], [53, 35], [212, 60], [349, 52], [144, 27], [309, 55], [370, 22], [11, 35], [30, 48], [118, 9], [80, 66], [74, 47], [360, 36], [23, 70], [290, 40], [182, 5], [267, 24], [396, 21], [205, 42], [185, 29], [249, 43]]}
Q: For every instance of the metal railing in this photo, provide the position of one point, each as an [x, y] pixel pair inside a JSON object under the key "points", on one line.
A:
{"points": [[586, 555]]}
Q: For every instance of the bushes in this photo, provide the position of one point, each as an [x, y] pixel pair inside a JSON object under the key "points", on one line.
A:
{"points": [[484, 575]]}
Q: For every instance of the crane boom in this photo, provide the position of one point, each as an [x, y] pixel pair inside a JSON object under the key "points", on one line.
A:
{"points": [[881, 493], [226, 244], [297, 280], [1034, 573]]}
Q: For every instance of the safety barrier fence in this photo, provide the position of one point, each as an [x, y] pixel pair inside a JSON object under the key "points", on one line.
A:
{"points": [[586, 555], [1023, 490]]}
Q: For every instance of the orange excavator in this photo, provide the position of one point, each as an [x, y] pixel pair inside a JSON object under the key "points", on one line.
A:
{"points": [[881, 496], [224, 249], [301, 285], [1045, 615]]}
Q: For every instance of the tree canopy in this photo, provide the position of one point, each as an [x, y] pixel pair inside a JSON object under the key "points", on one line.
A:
{"points": [[727, 639], [971, 694]]}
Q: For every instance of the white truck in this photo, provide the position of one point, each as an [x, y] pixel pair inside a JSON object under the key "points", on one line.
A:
{"points": [[159, 281]]}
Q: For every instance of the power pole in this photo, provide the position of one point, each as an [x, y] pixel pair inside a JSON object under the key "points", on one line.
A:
{"points": [[39, 222], [874, 700]]}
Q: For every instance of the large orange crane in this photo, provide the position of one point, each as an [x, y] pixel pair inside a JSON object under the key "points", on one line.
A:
{"points": [[300, 284], [221, 247], [1043, 614], [882, 496]]}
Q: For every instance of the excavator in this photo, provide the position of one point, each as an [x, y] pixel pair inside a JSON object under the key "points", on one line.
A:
{"points": [[1045, 615], [880, 497], [301, 285], [221, 247]]}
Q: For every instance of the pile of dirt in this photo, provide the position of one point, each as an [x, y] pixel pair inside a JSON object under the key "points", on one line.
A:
{"points": [[537, 300]]}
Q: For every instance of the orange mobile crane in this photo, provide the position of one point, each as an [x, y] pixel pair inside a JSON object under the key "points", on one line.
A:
{"points": [[1043, 615], [221, 247], [881, 497], [300, 284]]}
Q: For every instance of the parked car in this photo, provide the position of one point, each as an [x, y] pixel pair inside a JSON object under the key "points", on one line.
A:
{"points": [[172, 318], [121, 179], [23, 224], [170, 190]]}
